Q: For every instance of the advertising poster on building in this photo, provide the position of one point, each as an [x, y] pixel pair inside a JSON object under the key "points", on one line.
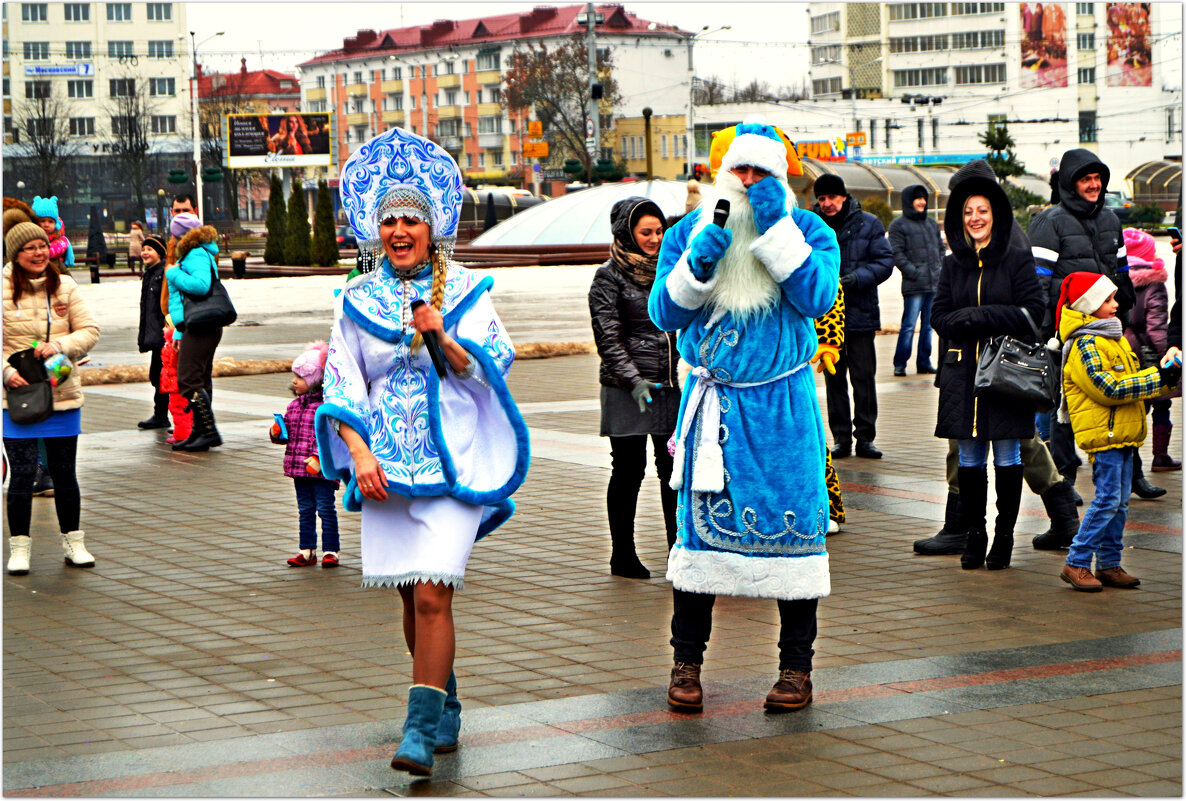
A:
{"points": [[1130, 52], [278, 140], [1043, 45]]}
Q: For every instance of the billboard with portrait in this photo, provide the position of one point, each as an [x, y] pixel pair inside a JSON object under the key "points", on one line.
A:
{"points": [[1130, 51], [1043, 45], [278, 140]]}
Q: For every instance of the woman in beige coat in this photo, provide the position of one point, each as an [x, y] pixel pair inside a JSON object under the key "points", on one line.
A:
{"points": [[135, 246], [39, 301]]}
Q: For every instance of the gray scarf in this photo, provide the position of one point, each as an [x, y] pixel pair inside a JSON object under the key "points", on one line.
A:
{"points": [[1109, 328]]}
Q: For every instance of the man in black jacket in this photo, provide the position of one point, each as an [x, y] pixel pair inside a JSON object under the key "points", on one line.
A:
{"points": [[918, 253], [1078, 234], [865, 261]]}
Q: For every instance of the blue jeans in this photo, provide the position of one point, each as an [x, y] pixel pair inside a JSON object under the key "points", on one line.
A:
{"points": [[1005, 453], [915, 307], [1101, 531], [315, 496]]}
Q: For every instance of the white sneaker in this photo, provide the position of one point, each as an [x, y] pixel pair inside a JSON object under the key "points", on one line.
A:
{"points": [[18, 555], [74, 550], [833, 526]]}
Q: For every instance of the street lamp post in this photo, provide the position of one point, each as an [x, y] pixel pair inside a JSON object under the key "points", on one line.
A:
{"points": [[852, 94], [691, 127], [193, 100]]}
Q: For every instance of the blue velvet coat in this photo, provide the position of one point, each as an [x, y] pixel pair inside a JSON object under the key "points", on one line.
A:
{"points": [[753, 508]]}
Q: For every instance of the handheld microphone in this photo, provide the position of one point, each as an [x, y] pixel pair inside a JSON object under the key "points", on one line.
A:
{"points": [[430, 342], [721, 213]]}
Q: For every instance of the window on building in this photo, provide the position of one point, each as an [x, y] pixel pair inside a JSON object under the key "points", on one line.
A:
{"points": [[901, 11], [80, 89], [625, 147], [397, 73], [39, 126], [412, 102], [36, 51], [10, 131], [975, 40], [78, 12], [449, 128], [980, 73], [1086, 41], [491, 124], [160, 49], [395, 101], [496, 157], [918, 44], [489, 60], [37, 89], [162, 87], [78, 50], [996, 121], [514, 158], [964, 9], [82, 126], [120, 49], [122, 87], [450, 97], [827, 54], [160, 12], [935, 134], [1173, 123], [469, 161], [889, 127], [825, 23], [1087, 129], [921, 144], [7, 88], [358, 76], [1087, 75], [928, 76], [663, 146], [872, 134], [1085, 8], [119, 12], [825, 86], [34, 12], [122, 125]]}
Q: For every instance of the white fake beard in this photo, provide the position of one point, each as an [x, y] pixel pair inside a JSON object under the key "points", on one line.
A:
{"points": [[743, 286]]}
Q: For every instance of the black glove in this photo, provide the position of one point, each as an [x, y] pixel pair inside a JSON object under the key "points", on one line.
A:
{"points": [[847, 281], [1171, 374]]}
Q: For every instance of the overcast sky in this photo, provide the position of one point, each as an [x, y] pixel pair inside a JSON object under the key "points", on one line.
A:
{"points": [[766, 40]]}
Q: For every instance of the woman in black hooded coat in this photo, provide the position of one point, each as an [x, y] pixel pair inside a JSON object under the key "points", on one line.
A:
{"points": [[640, 392], [983, 288]]}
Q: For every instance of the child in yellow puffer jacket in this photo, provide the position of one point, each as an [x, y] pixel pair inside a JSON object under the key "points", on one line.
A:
{"points": [[1104, 389]]}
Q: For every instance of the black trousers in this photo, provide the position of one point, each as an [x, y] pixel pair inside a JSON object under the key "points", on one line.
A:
{"points": [[160, 400], [858, 363], [195, 361], [691, 623], [629, 459], [1062, 448], [61, 454]]}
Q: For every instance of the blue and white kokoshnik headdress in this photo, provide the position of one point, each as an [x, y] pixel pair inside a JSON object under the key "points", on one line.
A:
{"points": [[388, 173]]}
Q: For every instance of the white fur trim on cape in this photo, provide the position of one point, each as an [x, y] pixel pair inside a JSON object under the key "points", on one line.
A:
{"points": [[686, 290], [782, 249], [786, 578], [755, 150]]}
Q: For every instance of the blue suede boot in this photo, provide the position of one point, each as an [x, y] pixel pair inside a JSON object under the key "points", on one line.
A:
{"points": [[425, 705], [450, 727]]}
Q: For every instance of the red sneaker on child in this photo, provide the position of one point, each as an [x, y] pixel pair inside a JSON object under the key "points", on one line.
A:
{"points": [[300, 560], [329, 560]]}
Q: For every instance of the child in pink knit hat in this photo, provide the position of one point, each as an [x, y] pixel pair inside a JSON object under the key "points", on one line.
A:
{"points": [[315, 493]]}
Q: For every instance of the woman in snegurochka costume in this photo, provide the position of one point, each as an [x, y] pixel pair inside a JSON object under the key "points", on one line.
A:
{"points": [[430, 462]]}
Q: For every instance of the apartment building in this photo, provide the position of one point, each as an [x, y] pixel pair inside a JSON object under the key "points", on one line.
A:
{"points": [[924, 79], [445, 81], [92, 62]]}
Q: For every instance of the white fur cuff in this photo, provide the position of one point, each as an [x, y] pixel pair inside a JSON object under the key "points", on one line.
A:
{"points": [[782, 249], [686, 290], [787, 578]]}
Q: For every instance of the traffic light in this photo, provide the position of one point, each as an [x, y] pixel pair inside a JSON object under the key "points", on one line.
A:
{"points": [[178, 176]]}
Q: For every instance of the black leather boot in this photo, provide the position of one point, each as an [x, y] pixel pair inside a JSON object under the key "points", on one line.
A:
{"points": [[1008, 485], [1140, 485], [205, 434], [973, 501], [951, 539], [1059, 501]]}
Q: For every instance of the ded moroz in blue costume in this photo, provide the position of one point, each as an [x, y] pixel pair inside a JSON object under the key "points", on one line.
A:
{"points": [[750, 448], [450, 451]]}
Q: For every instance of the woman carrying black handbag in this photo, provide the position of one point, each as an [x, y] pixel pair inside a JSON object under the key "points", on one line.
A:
{"points": [[195, 277], [44, 307], [983, 287]]}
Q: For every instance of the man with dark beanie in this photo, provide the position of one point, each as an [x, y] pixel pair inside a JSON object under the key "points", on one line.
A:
{"points": [[865, 261], [150, 338]]}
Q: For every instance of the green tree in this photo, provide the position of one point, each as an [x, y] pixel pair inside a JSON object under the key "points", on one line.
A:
{"points": [[275, 223], [877, 206], [296, 228], [1001, 157], [325, 241]]}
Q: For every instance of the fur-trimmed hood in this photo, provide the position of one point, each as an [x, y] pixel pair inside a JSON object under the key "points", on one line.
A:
{"points": [[206, 235], [1144, 275]]}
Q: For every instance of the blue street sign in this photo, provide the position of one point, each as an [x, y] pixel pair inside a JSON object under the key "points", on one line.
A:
{"points": [[84, 70]]}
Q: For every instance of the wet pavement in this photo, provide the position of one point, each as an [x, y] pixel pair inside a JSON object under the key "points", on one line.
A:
{"points": [[191, 661]]}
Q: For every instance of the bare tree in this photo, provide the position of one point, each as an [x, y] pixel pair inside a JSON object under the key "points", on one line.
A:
{"points": [[43, 126], [228, 95], [130, 136], [555, 83], [753, 92], [711, 91]]}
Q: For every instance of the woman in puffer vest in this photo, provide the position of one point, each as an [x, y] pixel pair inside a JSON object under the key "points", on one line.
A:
{"points": [[42, 306]]}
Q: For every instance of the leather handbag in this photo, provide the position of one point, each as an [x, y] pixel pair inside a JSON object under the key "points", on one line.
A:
{"points": [[202, 313], [1024, 372], [34, 402]]}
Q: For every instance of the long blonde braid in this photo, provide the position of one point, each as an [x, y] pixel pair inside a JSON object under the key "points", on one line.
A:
{"points": [[440, 269]]}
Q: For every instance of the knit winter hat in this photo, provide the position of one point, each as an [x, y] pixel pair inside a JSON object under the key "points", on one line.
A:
{"points": [[20, 235], [1141, 249], [829, 184], [157, 245], [310, 365], [46, 207], [1084, 292], [183, 223]]}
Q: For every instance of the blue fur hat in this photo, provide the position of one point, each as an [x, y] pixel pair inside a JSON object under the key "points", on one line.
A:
{"points": [[757, 145], [46, 207]]}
